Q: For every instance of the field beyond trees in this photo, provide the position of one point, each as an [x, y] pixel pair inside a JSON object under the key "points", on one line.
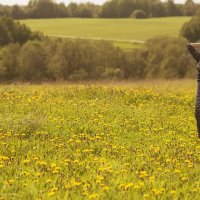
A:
{"points": [[126, 33], [135, 141]]}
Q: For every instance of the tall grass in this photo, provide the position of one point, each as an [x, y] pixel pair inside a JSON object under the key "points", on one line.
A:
{"points": [[135, 141]]}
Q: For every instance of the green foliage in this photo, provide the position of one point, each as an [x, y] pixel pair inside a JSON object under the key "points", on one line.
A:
{"points": [[135, 67], [46, 9], [152, 8], [138, 14], [110, 9], [5, 36], [190, 8], [15, 32], [87, 58], [172, 9], [168, 58], [9, 62], [61, 59], [158, 9], [33, 62], [191, 29], [17, 12]]}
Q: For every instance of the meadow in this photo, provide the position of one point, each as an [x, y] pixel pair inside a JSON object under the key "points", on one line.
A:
{"points": [[126, 33], [99, 141]]}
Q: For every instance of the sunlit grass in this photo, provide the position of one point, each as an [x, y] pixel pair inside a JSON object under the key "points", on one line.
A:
{"points": [[128, 30], [102, 141]]}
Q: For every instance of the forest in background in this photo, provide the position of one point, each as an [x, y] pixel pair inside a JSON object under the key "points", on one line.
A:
{"points": [[110, 9]]}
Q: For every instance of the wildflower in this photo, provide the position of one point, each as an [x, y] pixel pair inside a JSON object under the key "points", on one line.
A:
{"points": [[48, 180], [106, 188], [152, 179], [93, 196], [177, 171], [173, 192], [10, 181], [146, 196], [136, 187], [85, 193], [128, 186], [51, 193], [54, 189], [143, 174], [26, 162]]}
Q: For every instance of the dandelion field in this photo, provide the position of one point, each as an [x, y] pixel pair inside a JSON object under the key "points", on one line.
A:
{"points": [[135, 141]]}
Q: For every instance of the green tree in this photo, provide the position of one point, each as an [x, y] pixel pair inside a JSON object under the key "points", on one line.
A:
{"points": [[171, 8], [9, 62], [110, 9], [191, 29], [158, 9], [125, 8], [189, 8], [5, 36], [162, 59], [17, 12], [33, 62], [12, 31], [73, 10]]}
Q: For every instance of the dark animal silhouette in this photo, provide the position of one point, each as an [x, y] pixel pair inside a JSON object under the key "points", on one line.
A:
{"points": [[196, 55]]}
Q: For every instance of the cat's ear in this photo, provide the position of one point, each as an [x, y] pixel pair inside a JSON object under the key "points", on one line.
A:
{"points": [[195, 54]]}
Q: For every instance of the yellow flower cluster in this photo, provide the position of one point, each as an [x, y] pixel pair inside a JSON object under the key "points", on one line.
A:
{"points": [[99, 142]]}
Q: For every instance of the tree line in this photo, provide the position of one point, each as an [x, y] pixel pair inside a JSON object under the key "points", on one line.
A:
{"points": [[29, 56], [110, 9]]}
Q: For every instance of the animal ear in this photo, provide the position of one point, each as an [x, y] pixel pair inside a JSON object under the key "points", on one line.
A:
{"points": [[195, 54]]}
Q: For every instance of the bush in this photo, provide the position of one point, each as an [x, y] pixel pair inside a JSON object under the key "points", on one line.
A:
{"points": [[59, 59], [167, 57], [191, 29], [33, 62], [88, 59], [9, 62], [138, 14], [14, 32], [135, 67]]}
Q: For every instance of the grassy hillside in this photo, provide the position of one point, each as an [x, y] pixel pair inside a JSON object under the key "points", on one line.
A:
{"points": [[99, 142], [119, 31]]}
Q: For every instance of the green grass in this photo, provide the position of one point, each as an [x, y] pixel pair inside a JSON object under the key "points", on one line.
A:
{"points": [[134, 141], [118, 30]]}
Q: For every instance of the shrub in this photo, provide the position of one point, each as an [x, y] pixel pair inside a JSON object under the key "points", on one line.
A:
{"points": [[9, 62], [61, 59], [167, 57], [191, 30], [12, 31], [33, 62], [138, 14]]}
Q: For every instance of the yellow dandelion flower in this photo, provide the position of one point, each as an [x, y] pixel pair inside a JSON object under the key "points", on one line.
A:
{"points": [[128, 186], [48, 180], [173, 192], [93, 196], [54, 189], [146, 196], [50, 194], [26, 162], [106, 188]]}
